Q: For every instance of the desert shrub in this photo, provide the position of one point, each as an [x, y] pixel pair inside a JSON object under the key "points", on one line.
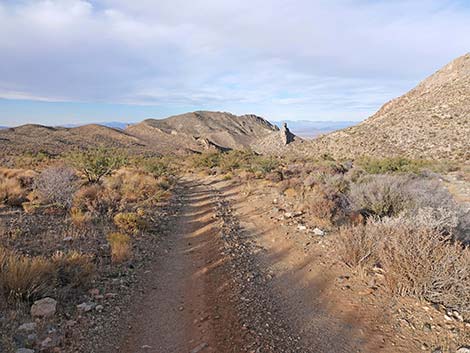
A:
{"points": [[129, 222], [121, 248], [25, 278], [132, 185], [392, 165], [73, 269], [12, 193], [264, 165], [15, 185], [440, 219], [96, 163], [338, 183], [418, 259], [381, 195], [157, 167], [88, 199], [80, 218], [429, 193], [359, 245], [325, 205], [422, 200], [231, 161], [56, 185], [207, 160]]}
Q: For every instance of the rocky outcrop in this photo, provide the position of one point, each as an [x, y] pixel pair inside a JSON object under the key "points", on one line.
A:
{"points": [[286, 136]]}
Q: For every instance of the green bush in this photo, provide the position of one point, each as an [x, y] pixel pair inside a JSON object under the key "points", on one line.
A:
{"points": [[158, 167], [393, 165], [96, 163]]}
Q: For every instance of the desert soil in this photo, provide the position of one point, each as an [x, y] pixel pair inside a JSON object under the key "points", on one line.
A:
{"points": [[230, 279]]}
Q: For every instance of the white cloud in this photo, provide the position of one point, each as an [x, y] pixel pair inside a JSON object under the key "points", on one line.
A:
{"points": [[297, 58]]}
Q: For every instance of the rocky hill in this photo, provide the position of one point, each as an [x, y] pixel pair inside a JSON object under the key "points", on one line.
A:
{"points": [[202, 128], [432, 121], [186, 133]]}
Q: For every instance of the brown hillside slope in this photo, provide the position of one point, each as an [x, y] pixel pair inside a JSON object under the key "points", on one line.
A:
{"points": [[194, 130], [432, 121], [54, 140], [186, 133]]}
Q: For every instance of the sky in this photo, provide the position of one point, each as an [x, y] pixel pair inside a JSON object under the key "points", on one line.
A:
{"points": [[80, 61]]}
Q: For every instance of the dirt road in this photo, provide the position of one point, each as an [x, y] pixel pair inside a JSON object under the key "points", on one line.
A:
{"points": [[231, 282], [188, 308]]}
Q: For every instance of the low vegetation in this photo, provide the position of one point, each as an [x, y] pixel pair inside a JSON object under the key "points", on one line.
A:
{"points": [[96, 199], [96, 163]]}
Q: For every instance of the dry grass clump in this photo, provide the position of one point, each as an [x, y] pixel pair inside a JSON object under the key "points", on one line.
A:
{"points": [[121, 247], [129, 222], [73, 269], [24, 278], [56, 185], [418, 259], [88, 203], [133, 185], [15, 185]]}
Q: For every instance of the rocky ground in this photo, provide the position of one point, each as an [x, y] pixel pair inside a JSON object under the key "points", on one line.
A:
{"points": [[238, 270]]}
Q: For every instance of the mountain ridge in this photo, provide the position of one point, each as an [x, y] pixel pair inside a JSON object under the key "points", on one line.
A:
{"points": [[431, 121]]}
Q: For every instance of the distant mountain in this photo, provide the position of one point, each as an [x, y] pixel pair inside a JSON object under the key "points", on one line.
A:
{"points": [[186, 133], [198, 129], [113, 124], [311, 129], [432, 121]]}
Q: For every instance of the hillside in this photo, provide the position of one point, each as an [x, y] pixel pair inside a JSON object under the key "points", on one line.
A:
{"points": [[197, 129], [432, 121], [186, 133], [33, 138]]}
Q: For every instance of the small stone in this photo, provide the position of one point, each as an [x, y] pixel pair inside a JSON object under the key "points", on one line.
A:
{"points": [[99, 308], [85, 307], [463, 349], [28, 327], [301, 227], [45, 307], [447, 317], [318, 231], [68, 238], [146, 346], [457, 315]]}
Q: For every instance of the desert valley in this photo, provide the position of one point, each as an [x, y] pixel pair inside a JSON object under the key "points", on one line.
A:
{"points": [[212, 232]]}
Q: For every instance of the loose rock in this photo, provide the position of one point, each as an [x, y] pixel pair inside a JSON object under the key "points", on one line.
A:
{"points": [[45, 307]]}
